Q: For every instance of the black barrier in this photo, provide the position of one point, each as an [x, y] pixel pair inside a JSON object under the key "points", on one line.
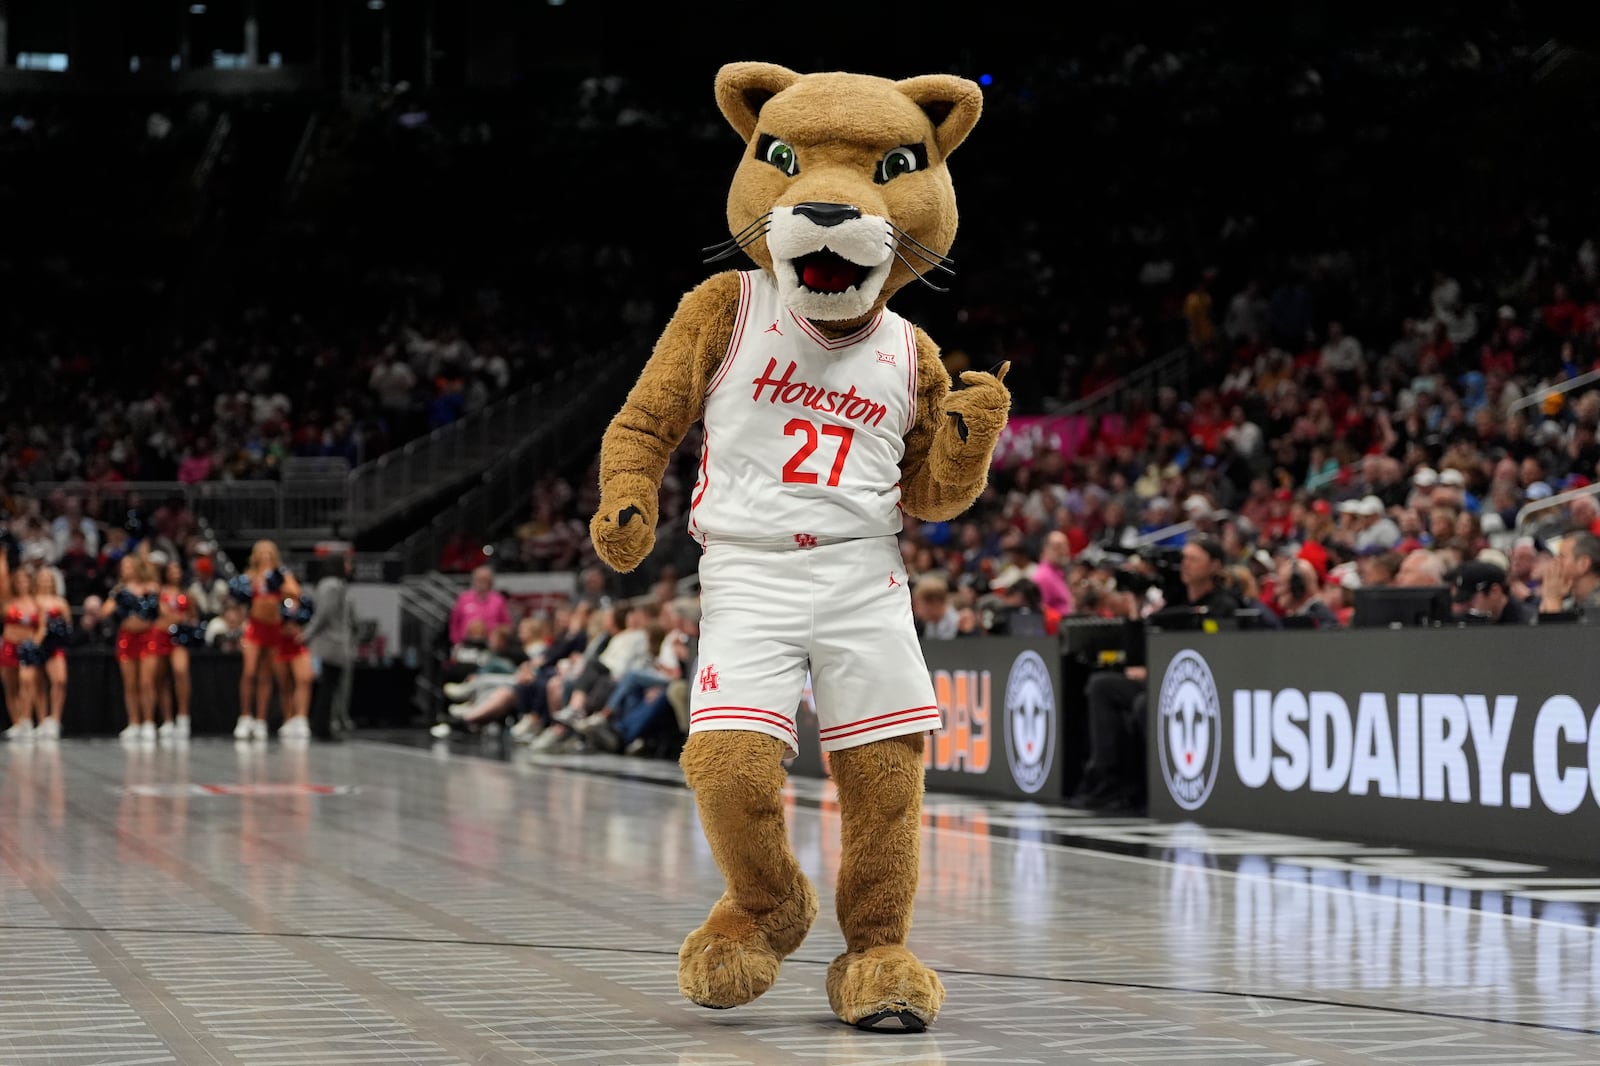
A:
{"points": [[380, 695], [1000, 700], [1482, 738]]}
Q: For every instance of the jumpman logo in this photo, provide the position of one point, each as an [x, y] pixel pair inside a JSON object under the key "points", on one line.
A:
{"points": [[709, 681], [773, 328], [892, 582]]}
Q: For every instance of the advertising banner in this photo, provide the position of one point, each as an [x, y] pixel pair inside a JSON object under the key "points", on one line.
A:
{"points": [[999, 699], [1485, 739]]}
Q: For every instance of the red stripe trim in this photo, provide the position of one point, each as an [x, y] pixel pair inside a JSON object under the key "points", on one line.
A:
{"points": [[764, 717], [738, 332], [911, 380], [842, 342], [885, 725], [784, 719], [705, 483], [879, 718]]}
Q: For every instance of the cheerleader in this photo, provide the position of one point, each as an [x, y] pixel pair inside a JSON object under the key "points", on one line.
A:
{"points": [[19, 653], [53, 647], [134, 604], [270, 592], [175, 633]]}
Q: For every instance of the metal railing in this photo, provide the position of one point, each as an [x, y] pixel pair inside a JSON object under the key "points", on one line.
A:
{"points": [[1538, 395], [317, 500], [460, 449], [1560, 499], [1169, 371], [546, 442], [237, 510]]}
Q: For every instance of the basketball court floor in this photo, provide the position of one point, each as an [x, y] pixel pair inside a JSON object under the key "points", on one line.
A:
{"points": [[382, 901]]}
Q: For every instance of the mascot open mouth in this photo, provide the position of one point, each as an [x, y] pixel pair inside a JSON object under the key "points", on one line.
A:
{"points": [[829, 273]]}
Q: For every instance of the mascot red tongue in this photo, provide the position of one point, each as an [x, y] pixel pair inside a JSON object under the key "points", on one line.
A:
{"points": [[798, 510], [828, 273]]}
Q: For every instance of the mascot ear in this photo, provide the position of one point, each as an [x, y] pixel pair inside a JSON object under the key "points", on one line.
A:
{"points": [[742, 88], [952, 104]]}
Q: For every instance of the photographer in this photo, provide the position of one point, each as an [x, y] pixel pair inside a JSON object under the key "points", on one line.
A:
{"points": [[1116, 700], [1300, 600]]}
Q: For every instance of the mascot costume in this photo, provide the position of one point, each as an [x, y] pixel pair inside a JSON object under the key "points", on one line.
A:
{"points": [[825, 416]]}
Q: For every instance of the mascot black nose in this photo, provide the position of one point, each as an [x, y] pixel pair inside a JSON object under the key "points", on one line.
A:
{"points": [[827, 214]]}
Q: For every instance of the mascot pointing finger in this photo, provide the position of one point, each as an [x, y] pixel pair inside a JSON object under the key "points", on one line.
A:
{"points": [[825, 416]]}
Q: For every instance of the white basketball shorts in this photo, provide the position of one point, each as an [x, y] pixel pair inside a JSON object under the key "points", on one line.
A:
{"points": [[841, 610]]}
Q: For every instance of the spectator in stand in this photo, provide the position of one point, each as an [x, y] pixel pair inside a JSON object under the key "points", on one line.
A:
{"points": [[1244, 585], [1526, 572], [1374, 529], [481, 602], [462, 553], [1051, 573], [1197, 311], [1341, 353], [80, 569], [1378, 569], [936, 616], [70, 518], [638, 707], [225, 632], [1481, 593], [207, 590], [1571, 585]]}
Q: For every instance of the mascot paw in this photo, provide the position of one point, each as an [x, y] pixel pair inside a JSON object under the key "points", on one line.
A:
{"points": [[982, 405], [884, 988], [623, 535], [734, 957], [720, 971]]}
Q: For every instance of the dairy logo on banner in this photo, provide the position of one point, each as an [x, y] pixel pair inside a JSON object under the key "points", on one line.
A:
{"points": [[1189, 730], [1030, 721]]}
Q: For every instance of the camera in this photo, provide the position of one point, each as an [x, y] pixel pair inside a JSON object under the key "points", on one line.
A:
{"points": [[1158, 568]]}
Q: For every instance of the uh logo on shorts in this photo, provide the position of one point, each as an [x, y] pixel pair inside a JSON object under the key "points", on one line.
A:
{"points": [[709, 681]]}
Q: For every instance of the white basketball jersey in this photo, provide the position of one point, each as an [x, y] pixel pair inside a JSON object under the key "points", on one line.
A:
{"points": [[804, 433]]}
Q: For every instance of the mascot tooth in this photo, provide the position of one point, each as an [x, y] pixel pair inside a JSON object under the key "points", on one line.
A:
{"points": [[825, 416]]}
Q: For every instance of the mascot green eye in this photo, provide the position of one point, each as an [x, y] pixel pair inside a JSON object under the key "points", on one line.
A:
{"points": [[779, 154], [898, 161]]}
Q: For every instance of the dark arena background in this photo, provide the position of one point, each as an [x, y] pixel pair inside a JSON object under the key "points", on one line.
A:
{"points": [[1271, 728]]}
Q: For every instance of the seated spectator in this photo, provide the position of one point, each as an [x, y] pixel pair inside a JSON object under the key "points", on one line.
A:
{"points": [[936, 617], [225, 632], [528, 692], [1243, 582], [1420, 567], [1482, 593], [480, 602], [633, 639], [639, 708], [1571, 585], [1050, 573]]}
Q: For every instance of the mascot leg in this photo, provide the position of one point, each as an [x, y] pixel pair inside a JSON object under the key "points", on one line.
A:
{"points": [[768, 905], [877, 983]]}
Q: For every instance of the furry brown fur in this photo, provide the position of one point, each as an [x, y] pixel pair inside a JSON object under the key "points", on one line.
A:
{"points": [[843, 126]]}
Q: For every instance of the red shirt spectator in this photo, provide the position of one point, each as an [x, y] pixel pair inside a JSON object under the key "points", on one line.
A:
{"points": [[1562, 313]]}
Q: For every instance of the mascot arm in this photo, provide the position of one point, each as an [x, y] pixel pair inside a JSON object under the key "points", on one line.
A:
{"points": [[666, 400], [952, 439]]}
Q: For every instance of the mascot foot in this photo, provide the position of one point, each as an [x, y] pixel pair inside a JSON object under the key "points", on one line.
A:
{"points": [[734, 956], [884, 988]]}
